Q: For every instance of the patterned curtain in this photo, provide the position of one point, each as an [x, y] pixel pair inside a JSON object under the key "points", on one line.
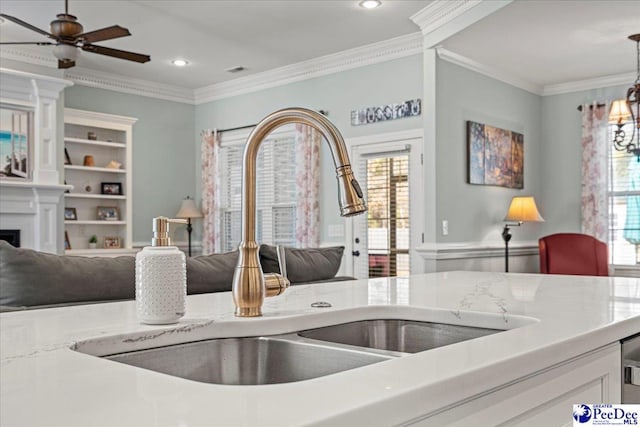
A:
{"points": [[595, 149], [210, 191], [307, 186]]}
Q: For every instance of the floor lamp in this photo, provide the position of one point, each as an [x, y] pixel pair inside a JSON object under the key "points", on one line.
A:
{"points": [[189, 210], [522, 209]]}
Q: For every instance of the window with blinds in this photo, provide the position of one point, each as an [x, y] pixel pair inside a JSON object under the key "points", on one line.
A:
{"points": [[275, 191], [388, 215], [624, 205]]}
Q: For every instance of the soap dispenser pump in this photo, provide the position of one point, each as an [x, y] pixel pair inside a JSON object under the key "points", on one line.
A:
{"points": [[161, 277]]}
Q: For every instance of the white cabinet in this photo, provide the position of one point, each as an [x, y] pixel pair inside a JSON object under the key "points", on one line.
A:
{"points": [[545, 398], [98, 160]]}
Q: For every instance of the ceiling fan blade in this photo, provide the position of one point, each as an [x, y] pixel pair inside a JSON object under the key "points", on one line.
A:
{"points": [[122, 54], [24, 24], [67, 63], [102, 34], [38, 43]]}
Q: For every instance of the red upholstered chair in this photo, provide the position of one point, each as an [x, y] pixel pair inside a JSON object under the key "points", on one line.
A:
{"points": [[573, 253]]}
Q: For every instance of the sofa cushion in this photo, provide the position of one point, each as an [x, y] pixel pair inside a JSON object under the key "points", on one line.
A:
{"points": [[303, 264], [31, 278], [211, 273]]}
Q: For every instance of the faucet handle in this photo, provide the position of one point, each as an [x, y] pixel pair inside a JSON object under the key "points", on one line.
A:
{"points": [[282, 262], [275, 284]]}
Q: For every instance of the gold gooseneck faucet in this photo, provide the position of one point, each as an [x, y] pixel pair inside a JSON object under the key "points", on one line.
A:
{"points": [[250, 286]]}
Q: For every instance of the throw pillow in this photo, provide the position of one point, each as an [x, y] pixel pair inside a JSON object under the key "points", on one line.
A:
{"points": [[31, 278], [211, 273], [303, 264]]}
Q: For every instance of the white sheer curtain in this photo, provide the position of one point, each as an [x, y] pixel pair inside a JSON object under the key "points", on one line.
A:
{"points": [[595, 151], [307, 186], [210, 191]]}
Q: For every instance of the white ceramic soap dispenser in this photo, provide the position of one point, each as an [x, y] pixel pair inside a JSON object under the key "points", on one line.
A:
{"points": [[161, 277]]}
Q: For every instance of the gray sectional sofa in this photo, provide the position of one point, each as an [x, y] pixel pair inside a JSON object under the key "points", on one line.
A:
{"points": [[32, 279]]}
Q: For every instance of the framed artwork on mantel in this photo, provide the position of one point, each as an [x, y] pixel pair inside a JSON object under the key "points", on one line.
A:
{"points": [[16, 138], [496, 156]]}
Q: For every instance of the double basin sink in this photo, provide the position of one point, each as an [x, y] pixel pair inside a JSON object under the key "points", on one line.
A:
{"points": [[300, 355]]}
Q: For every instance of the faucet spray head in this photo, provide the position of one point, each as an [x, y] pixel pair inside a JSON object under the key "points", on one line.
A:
{"points": [[350, 195]]}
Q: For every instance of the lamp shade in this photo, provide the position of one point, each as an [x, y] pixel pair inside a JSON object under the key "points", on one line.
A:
{"points": [[188, 209], [619, 112], [523, 209]]}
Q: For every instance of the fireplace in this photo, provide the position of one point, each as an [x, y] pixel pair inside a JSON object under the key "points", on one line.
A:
{"points": [[11, 236], [31, 203]]}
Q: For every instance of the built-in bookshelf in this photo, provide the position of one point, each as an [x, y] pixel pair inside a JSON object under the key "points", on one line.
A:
{"points": [[98, 161]]}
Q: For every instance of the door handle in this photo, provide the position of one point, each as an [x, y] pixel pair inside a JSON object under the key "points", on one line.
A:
{"points": [[355, 253]]}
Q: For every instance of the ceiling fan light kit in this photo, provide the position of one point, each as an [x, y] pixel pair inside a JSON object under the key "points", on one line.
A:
{"points": [[69, 36]]}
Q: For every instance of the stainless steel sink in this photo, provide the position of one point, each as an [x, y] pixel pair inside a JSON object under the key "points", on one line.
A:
{"points": [[300, 355], [249, 361], [397, 335]]}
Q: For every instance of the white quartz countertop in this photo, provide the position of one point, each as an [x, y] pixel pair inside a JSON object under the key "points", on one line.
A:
{"points": [[44, 382]]}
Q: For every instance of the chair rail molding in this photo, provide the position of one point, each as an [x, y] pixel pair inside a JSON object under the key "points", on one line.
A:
{"points": [[466, 250]]}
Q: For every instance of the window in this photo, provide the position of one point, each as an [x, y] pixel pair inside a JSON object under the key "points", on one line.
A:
{"points": [[624, 205], [275, 190]]}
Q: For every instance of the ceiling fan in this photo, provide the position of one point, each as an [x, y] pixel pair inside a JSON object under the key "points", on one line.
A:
{"points": [[68, 35]]}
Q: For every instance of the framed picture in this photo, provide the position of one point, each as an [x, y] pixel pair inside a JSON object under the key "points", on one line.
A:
{"points": [[67, 159], [111, 188], [496, 156], [108, 213], [67, 244], [70, 214], [111, 242], [16, 140]]}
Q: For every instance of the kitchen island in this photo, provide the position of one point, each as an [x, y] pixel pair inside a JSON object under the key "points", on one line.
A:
{"points": [[560, 346]]}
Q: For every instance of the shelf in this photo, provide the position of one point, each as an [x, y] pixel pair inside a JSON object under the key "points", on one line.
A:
{"points": [[93, 169], [114, 143], [93, 196], [95, 142], [95, 222]]}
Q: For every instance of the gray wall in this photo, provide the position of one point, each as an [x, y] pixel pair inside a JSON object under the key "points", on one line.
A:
{"points": [[163, 151], [339, 93], [167, 160], [562, 161], [476, 212]]}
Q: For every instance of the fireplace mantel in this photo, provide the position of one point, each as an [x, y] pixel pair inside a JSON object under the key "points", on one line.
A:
{"points": [[34, 205]]}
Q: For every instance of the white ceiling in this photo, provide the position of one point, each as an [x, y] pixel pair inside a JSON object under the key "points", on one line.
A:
{"points": [[551, 42], [540, 41], [216, 35]]}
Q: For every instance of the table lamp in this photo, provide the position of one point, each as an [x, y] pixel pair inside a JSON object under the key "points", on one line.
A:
{"points": [[189, 210], [522, 209]]}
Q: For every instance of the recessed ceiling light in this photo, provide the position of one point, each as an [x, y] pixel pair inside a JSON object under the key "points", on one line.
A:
{"points": [[370, 4], [180, 62]]}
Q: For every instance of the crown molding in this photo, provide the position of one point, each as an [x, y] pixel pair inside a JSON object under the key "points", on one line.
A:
{"points": [[99, 79], [443, 18], [441, 12], [488, 71], [588, 84], [15, 53], [410, 44], [117, 83]]}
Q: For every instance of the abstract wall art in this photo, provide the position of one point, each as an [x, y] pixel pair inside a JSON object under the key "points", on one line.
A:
{"points": [[496, 156]]}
